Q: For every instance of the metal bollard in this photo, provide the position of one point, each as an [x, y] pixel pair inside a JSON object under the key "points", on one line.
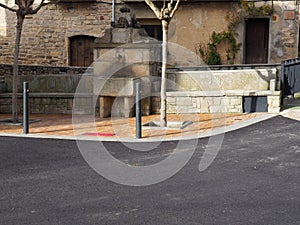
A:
{"points": [[25, 108], [138, 110]]}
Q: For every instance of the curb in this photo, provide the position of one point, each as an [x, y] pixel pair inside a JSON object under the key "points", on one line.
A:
{"points": [[292, 113]]}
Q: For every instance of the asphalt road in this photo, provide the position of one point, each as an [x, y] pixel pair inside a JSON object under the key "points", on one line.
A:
{"points": [[253, 180]]}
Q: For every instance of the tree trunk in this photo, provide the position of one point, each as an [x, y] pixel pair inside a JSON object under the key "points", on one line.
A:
{"points": [[163, 94], [19, 26]]}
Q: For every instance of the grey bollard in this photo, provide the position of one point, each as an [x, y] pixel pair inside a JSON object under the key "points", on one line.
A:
{"points": [[138, 110], [25, 108]]}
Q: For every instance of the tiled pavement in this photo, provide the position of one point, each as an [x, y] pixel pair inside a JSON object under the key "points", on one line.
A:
{"points": [[62, 125]]}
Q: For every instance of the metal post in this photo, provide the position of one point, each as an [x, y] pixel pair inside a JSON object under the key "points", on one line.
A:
{"points": [[25, 108], [138, 110], [282, 82], [113, 13]]}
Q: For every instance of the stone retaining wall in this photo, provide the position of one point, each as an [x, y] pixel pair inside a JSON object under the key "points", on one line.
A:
{"points": [[223, 102], [60, 103], [194, 91], [51, 83], [51, 88], [220, 91], [7, 69]]}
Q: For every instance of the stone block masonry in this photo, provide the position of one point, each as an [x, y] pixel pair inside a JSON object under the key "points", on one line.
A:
{"points": [[44, 78], [122, 57], [220, 91], [223, 102], [187, 102], [43, 103], [45, 37], [51, 89], [7, 69]]}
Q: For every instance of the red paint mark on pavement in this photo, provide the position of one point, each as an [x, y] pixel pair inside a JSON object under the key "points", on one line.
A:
{"points": [[100, 134]]}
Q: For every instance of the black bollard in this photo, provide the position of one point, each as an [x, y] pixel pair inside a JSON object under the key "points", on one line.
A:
{"points": [[25, 108], [138, 110]]}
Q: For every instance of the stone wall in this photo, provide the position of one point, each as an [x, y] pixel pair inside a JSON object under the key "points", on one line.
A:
{"points": [[123, 56], [219, 91], [49, 83], [284, 32], [60, 103], [7, 69], [223, 80], [45, 37], [50, 77], [224, 102], [51, 89]]}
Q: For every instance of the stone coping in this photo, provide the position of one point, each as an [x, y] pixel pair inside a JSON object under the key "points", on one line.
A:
{"points": [[59, 75], [221, 93], [50, 95], [134, 45], [157, 94], [224, 67], [236, 71]]}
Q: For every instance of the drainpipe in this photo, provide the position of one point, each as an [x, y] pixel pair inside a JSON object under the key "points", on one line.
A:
{"points": [[113, 13]]}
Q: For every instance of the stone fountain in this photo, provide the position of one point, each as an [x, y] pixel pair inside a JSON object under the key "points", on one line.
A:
{"points": [[123, 56]]}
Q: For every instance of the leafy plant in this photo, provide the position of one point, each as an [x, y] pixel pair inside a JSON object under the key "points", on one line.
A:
{"points": [[250, 9], [209, 53]]}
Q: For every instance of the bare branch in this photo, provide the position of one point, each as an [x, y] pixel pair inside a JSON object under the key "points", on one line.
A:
{"points": [[7, 7], [175, 8], [154, 9], [34, 11], [29, 3], [18, 3]]}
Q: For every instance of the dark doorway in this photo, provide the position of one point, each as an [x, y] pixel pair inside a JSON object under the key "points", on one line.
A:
{"points": [[257, 41], [153, 27], [81, 50], [154, 31]]}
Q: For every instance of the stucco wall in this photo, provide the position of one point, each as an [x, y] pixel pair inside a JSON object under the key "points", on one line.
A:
{"points": [[196, 23], [45, 37], [192, 25]]}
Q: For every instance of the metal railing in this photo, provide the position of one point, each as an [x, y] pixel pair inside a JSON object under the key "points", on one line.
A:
{"points": [[290, 77]]}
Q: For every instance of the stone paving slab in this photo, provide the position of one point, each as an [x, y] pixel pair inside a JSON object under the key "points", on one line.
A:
{"points": [[56, 125]]}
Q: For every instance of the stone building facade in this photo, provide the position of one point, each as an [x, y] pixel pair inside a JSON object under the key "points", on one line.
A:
{"points": [[63, 34], [47, 36]]}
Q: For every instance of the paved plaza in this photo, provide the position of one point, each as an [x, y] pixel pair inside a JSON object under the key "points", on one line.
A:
{"points": [[62, 125]]}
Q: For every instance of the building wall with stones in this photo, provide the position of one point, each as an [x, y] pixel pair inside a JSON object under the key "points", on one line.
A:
{"points": [[284, 31], [45, 37], [195, 21]]}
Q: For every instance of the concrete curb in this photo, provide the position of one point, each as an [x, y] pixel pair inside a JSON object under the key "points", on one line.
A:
{"points": [[292, 113], [214, 132]]}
